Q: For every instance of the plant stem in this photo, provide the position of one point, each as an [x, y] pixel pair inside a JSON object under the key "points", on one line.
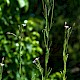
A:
{"points": [[1, 72], [48, 6], [47, 35], [1, 68], [20, 59], [20, 49], [65, 47]]}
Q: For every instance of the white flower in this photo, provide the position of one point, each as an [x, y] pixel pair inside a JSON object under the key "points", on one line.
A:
{"points": [[66, 27], [23, 25], [65, 23], [37, 59], [1, 64]]}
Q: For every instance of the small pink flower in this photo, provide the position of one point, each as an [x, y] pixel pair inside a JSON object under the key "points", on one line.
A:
{"points": [[36, 60]]}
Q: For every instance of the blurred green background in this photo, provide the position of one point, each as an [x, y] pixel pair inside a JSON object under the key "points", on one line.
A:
{"points": [[16, 12]]}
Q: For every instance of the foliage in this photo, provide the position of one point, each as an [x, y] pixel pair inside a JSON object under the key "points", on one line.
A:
{"points": [[9, 44]]}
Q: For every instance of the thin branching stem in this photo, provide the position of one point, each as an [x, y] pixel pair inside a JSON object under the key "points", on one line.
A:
{"points": [[65, 47], [52, 14], [48, 6], [20, 49]]}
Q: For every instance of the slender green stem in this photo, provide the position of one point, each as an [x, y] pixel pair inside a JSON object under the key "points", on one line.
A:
{"points": [[65, 46], [36, 61], [42, 77], [20, 49], [47, 35], [64, 56], [52, 15], [20, 58], [1, 68], [48, 6], [1, 72]]}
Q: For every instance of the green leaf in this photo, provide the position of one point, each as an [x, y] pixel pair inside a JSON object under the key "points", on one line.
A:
{"points": [[8, 2], [24, 3], [21, 3]]}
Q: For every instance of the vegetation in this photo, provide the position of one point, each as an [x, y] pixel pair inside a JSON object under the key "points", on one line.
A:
{"points": [[32, 31]]}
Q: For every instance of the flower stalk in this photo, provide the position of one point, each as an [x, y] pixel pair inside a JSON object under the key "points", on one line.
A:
{"points": [[65, 47], [20, 38], [48, 7], [37, 63], [1, 68]]}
